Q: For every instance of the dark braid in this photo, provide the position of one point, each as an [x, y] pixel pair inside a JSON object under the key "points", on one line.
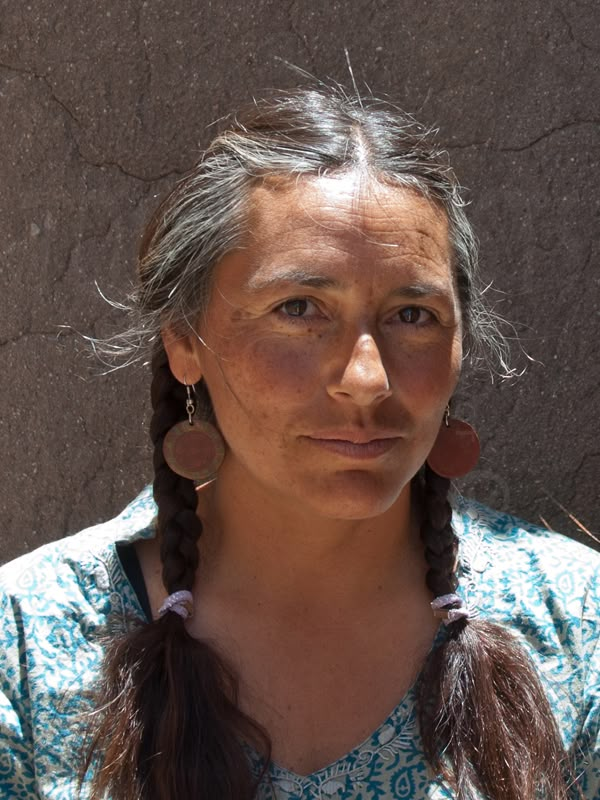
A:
{"points": [[176, 498], [437, 534], [170, 725], [480, 703]]}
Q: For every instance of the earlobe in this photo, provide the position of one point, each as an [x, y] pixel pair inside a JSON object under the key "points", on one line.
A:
{"points": [[182, 355]]}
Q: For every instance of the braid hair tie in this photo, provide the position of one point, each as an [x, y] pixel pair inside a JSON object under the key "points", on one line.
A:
{"points": [[181, 603], [450, 608]]}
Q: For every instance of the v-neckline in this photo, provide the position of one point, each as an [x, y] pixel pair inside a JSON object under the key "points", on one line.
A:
{"points": [[397, 732]]}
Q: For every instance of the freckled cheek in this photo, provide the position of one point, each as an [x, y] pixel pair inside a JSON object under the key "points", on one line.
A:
{"points": [[274, 373], [428, 377]]}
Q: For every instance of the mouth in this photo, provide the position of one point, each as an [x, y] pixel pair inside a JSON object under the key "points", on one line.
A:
{"points": [[359, 445]]}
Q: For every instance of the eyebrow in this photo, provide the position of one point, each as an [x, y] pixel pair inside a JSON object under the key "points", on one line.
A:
{"points": [[418, 290], [300, 277]]}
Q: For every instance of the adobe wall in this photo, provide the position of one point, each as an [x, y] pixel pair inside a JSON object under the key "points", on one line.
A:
{"points": [[105, 105]]}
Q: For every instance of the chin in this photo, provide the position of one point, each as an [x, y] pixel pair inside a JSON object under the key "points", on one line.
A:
{"points": [[355, 496]]}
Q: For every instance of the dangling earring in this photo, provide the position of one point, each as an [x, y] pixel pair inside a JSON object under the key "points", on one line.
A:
{"points": [[456, 449], [194, 449]]}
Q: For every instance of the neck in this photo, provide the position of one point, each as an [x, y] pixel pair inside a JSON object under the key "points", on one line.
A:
{"points": [[254, 546]]}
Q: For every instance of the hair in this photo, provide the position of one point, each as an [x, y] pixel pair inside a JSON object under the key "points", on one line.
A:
{"points": [[169, 724]]}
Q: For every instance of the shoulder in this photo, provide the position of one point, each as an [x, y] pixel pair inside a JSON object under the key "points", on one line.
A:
{"points": [[527, 563], [60, 596], [75, 558], [545, 588], [57, 605]]}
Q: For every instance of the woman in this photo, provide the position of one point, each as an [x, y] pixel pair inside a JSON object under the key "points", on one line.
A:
{"points": [[306, 617]]}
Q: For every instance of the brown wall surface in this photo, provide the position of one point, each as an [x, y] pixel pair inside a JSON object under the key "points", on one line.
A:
{"points": [[104, 105]]}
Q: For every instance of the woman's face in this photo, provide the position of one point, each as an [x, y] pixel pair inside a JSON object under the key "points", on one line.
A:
{"points": [[332, 343]]}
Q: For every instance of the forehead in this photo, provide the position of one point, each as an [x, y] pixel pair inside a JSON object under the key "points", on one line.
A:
{"points": [[346, 211]]}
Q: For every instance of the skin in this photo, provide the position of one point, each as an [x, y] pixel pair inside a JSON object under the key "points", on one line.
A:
{"points": [[330, 347]]}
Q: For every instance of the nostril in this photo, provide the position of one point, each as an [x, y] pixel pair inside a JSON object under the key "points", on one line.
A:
{"points": [[364, 378]]}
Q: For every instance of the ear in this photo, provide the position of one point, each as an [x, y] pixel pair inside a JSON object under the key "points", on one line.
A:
{"points": [[182, 353]]}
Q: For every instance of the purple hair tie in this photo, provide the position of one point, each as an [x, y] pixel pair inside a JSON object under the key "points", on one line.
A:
{"points": [[181, 603], [457, 609]]}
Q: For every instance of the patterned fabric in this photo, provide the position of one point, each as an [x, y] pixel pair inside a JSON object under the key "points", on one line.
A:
{"points": [[58, 602]]}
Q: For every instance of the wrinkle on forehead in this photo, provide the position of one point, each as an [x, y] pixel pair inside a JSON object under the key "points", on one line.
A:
{"points": [[352, 202]]}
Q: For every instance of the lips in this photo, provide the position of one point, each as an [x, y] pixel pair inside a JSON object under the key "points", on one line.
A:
{"points": [[360, 445], [355, 436]]}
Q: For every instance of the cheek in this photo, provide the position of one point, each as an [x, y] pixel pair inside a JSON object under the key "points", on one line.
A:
{"points": [[264, 376], [430, 374]]}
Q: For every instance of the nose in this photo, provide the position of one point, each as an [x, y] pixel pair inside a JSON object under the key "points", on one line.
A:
{"points": [[364, 379]]}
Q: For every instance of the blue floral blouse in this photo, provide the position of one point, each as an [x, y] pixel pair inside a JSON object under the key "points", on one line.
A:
{"points": [[56, 604]]}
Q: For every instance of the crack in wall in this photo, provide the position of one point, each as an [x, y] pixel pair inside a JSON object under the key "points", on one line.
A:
{"points": [[116, 165], [571, 33], [547, 134], [38, 76], [73, 118], [488, 143]]}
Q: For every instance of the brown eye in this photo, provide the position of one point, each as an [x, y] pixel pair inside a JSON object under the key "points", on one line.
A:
{"points": [[411, 314], [295, 308]]}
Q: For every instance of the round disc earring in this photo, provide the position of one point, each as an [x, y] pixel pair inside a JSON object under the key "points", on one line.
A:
{"points": [[194, 449], [456, 450]]}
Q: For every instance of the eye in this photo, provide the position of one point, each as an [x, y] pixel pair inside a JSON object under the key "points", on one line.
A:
{"points": [[414, 315], [297, 307]]}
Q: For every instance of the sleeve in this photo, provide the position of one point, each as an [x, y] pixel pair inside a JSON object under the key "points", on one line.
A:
{"points": [[586, 755], [17, 775]]}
